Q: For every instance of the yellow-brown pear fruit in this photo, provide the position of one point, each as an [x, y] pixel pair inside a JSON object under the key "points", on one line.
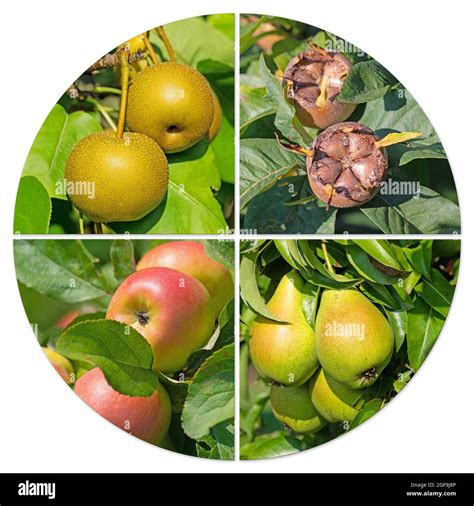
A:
{"points": [[284, 352], [354, 341], [172, 103], [292, 406], [111, 179], [334, 401]]}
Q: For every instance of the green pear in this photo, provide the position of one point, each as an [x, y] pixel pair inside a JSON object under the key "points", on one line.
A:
{"points": [[354, 341], [334, 401], [284, 352], [292, 406]]}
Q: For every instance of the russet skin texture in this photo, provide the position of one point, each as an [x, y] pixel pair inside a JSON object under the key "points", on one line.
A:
{"points": [[172, 103], [128, 176], [190, 257], [147, 418], [284, 352], [292, 406], [333, 401], [356, 356], [170, 309]]}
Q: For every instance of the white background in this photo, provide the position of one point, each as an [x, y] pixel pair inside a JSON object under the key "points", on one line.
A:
{"points": [[427, 45]]}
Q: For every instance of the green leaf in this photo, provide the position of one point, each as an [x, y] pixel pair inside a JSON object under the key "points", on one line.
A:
{"points": [[381, 250], [286, 121], [419, 257], [62, 270], [398, 111], [399, 322], [223, 22], [424, 327], [210, 397], [253, 102], [124, 355], [268, 445], [366, 81], [222, 252], [194, 39], [123, 258], [437, 292], [32, 207], [289, 207], [262, 163], [428, 213], [53, 143], [219, 444], [362, 264], [369, 410], [190, 206], [249, 288]]}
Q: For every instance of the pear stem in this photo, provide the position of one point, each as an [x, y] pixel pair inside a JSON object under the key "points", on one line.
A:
{"points": [[326, 257], [98, 228], [81, 224], [124, 72], [166, 42], [151, 51], [107, 89], [104, 113]]}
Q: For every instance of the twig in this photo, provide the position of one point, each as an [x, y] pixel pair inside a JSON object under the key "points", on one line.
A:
{"points": [[166, 42]]}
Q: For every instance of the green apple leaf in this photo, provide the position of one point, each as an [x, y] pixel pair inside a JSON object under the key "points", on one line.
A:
{"points": [[53, 143], [222, 252], [32, 207], [253, 102], [123, 258], [210, 397], [124, 355], [219, 444], [419, 257], [362, 264], [62, 270], [381, 250]]}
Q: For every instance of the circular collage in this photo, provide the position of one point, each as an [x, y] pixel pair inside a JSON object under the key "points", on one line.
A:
{"points": [[236, 237]]}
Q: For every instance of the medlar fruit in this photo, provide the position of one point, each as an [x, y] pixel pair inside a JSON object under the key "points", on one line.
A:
{"points": [[347, 166], [313, 80]]}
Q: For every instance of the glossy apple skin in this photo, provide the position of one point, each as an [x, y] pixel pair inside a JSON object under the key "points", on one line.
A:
{"points": [[170, 309], [190, 257], [147, 418]]}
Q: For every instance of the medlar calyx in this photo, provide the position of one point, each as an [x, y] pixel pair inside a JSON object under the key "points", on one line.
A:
{"points": [[313, 80], [347, 165]]}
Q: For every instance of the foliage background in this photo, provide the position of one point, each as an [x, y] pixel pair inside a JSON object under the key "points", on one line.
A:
{"points": [[413, 284], [57, 277], [274, 191]]}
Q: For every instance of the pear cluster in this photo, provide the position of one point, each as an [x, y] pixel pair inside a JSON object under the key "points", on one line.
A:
{"points": [[319, 375], [170, 107]]}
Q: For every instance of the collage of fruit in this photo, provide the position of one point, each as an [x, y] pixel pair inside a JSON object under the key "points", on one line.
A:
{"points": [[318, 203]]}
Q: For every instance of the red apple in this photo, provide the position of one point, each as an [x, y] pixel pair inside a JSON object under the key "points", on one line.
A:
{"points": [[190, 257], [170, 309], [147, 418], [61, 364]]}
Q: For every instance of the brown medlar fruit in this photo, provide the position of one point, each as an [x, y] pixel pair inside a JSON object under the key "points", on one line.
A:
{"points": [[347, 166], [313, 80]]}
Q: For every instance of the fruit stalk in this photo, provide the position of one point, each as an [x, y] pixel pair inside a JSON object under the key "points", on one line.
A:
{"points": [[151, 51], [162, 34], [124, 71]]}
